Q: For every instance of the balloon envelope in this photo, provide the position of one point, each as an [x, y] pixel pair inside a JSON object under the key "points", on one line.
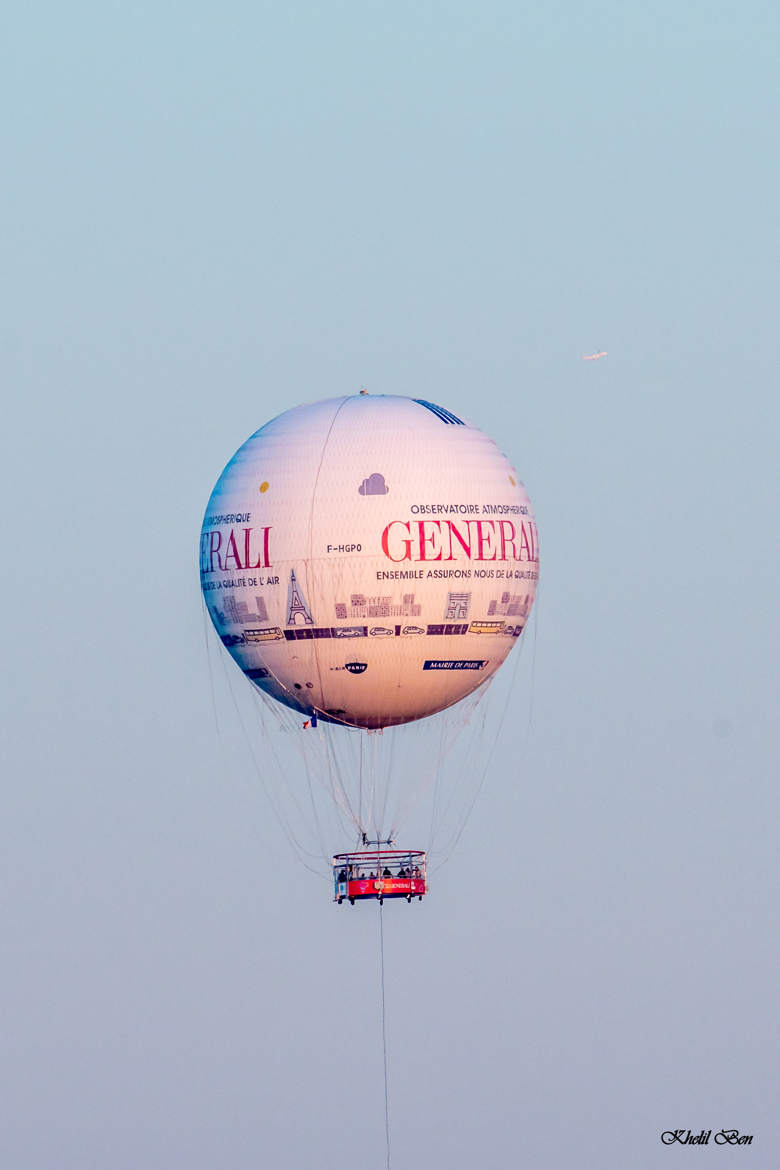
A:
{"points": [[371, 559]]}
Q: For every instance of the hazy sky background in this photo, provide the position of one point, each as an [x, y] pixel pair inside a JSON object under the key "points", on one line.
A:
{"points": [[212, 214]]}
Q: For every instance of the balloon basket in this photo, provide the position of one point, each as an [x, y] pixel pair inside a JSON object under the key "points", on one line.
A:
{"points": [[377, 874]]}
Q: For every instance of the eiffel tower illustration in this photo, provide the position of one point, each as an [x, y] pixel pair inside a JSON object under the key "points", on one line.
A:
{"points": [[296, 604]]}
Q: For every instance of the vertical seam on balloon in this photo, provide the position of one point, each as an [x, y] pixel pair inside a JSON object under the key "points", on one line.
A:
{"points": [[339, 408]]}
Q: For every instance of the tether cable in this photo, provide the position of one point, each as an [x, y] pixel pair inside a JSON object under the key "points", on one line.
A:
{"points": [[384, 1030]]}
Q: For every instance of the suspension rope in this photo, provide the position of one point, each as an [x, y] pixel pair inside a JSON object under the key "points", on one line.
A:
{"points": [[338, 787], [295, 844], [266, 713], [384, 1030], [371, 817], [208, 660], [452, 845], [360, 787]]}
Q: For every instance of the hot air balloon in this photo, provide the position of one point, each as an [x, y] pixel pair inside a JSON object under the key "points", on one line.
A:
{"points": [[368, 562]]}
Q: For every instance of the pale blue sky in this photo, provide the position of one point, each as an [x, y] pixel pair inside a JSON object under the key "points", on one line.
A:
{"points": [[210, 216]]}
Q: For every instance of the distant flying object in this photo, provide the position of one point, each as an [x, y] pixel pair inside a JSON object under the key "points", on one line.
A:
{"points": [[593, 357]]}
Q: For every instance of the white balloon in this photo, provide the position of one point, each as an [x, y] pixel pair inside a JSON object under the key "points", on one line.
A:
{"points": [[371, 559]]}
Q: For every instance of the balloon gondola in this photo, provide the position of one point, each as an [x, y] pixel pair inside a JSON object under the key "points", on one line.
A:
{"points": [[379, 874]]}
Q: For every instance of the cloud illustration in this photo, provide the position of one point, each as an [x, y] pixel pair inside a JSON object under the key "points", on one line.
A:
{"points": [[374, 486]]}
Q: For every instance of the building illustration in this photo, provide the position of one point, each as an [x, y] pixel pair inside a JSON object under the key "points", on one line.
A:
{"points": [[457, 607], [361, 606], [511, 605], [236, 612]]}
